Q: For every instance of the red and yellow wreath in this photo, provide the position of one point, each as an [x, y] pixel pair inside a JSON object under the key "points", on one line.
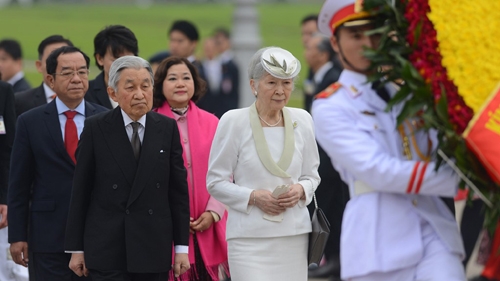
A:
{"points": [[445, 55]]}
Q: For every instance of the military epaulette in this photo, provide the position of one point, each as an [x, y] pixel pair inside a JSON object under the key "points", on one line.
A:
{"points": [[330, 90]]}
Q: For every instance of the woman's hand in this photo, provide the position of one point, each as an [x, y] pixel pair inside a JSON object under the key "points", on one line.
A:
{"points": [[265, 201], [291, 198], [202, 223]]}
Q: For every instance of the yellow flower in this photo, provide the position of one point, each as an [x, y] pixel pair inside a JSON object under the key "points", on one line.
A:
{"points": [[469, 41]]}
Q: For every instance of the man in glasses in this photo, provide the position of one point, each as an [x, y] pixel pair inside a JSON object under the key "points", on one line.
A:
{"points": [[43, 163]]}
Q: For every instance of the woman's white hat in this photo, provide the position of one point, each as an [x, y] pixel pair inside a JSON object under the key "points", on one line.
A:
{"points": [[280, 63]]}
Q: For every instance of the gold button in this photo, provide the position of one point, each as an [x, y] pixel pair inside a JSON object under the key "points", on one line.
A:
{"points": [[414, 202]]}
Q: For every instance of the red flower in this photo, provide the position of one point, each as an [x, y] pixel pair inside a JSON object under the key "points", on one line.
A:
{"points": [[427, 59]]}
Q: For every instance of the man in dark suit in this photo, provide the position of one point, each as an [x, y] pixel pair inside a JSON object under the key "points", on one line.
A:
{"points": [[222, 75], [42, 94], [7, 125], [11, 65], [332, 193], [42, 169], [308, 26], [130, 198], [112, 42]]}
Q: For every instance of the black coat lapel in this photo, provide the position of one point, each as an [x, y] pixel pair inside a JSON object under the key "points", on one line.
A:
{"points": [[115, 135], [51, 119], [39, 98], [100, 91], [151, 146]]}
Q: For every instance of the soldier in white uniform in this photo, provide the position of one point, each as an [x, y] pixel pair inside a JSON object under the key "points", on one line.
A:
{"points": [[395, 227]]}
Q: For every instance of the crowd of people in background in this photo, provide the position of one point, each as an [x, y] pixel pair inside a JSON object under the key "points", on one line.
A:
{"points": [[140, 199]]}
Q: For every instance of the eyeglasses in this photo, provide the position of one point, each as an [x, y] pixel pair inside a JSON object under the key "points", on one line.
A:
{"points": [[68, 74]]}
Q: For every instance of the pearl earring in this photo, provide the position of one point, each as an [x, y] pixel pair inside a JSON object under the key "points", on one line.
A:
{"points": [[255, 93]]}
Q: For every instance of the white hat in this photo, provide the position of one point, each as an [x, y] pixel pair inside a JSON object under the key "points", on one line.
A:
{"points": [[280, 63], [337, 12]]}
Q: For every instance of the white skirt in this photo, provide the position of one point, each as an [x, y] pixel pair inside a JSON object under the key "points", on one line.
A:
{"points": [[268, 258]]}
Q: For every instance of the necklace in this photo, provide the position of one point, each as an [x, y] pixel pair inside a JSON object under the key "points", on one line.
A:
{"points": [[270, 125]]}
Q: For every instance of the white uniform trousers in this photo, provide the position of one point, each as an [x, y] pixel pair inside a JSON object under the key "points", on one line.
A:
{"points": [[9, 270], [437, 263]]}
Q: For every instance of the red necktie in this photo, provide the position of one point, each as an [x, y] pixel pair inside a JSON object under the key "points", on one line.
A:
{"points": [[70, 134]]}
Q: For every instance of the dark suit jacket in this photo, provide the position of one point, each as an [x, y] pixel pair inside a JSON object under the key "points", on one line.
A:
{"points": [[97, 92], [332, 193], [21, 85], [41, 172], [6, 140], [29, 99], [125, 214], [331, 76], [227, 95]]}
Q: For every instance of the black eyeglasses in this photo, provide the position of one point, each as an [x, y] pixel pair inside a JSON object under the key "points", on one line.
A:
{"points": [[68, 74]]}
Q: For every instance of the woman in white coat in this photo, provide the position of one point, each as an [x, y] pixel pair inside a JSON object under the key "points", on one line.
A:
{"points": [[257, 151]]}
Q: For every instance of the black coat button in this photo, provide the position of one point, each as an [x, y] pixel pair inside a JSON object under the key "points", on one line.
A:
{"points": [[150, 211], [127, 212], [115, 186], [158, 185]]}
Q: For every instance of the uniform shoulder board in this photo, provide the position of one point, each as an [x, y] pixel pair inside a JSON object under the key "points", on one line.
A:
{"points": [[330, 90]]}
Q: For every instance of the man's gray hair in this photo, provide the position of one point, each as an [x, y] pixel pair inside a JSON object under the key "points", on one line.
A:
{"points": [[127, 62], [324, 45]]}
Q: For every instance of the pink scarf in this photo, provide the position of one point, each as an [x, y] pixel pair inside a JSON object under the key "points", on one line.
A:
{"points": [[212, 243]]}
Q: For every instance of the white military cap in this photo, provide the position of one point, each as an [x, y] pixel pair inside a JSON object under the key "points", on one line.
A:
{"points": [[280, 63], [335, 13]]}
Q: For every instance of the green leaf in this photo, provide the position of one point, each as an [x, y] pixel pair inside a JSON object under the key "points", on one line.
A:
{"points": [[442, 108]]}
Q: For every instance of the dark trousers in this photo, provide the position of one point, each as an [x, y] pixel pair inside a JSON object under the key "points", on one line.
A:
{"points": [[471, 226], [53, 267], [114, 275], [332, 195]]}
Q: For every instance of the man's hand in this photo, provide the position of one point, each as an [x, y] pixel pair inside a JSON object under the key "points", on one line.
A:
{"points": [[202, 223], [3, 214], [19, 252], [181, 264], [77, 264]]}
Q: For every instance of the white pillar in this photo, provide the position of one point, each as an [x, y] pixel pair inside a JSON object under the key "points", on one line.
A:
{"points": [[246, 41]]}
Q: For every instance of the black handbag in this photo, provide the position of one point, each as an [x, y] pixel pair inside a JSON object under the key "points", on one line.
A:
{"points": [[319, 235]]}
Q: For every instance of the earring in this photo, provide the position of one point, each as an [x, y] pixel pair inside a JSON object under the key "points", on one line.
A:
{"points": [[255, 93]]}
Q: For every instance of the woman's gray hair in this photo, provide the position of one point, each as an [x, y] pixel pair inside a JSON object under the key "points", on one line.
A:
{"points": [[255, 68], [126, 62]]}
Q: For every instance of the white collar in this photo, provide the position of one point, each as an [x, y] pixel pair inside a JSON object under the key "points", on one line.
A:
{"points": [[61, 107], [127, 120], [18, 76], [48, 91], [226, 56], [321, 72]]}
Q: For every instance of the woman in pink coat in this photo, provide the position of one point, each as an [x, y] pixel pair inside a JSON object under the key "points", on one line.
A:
{"points": [[177, 87]]}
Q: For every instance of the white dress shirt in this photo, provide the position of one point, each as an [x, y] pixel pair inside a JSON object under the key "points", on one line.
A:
{"points": [[79, 118], [49, 93]]}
